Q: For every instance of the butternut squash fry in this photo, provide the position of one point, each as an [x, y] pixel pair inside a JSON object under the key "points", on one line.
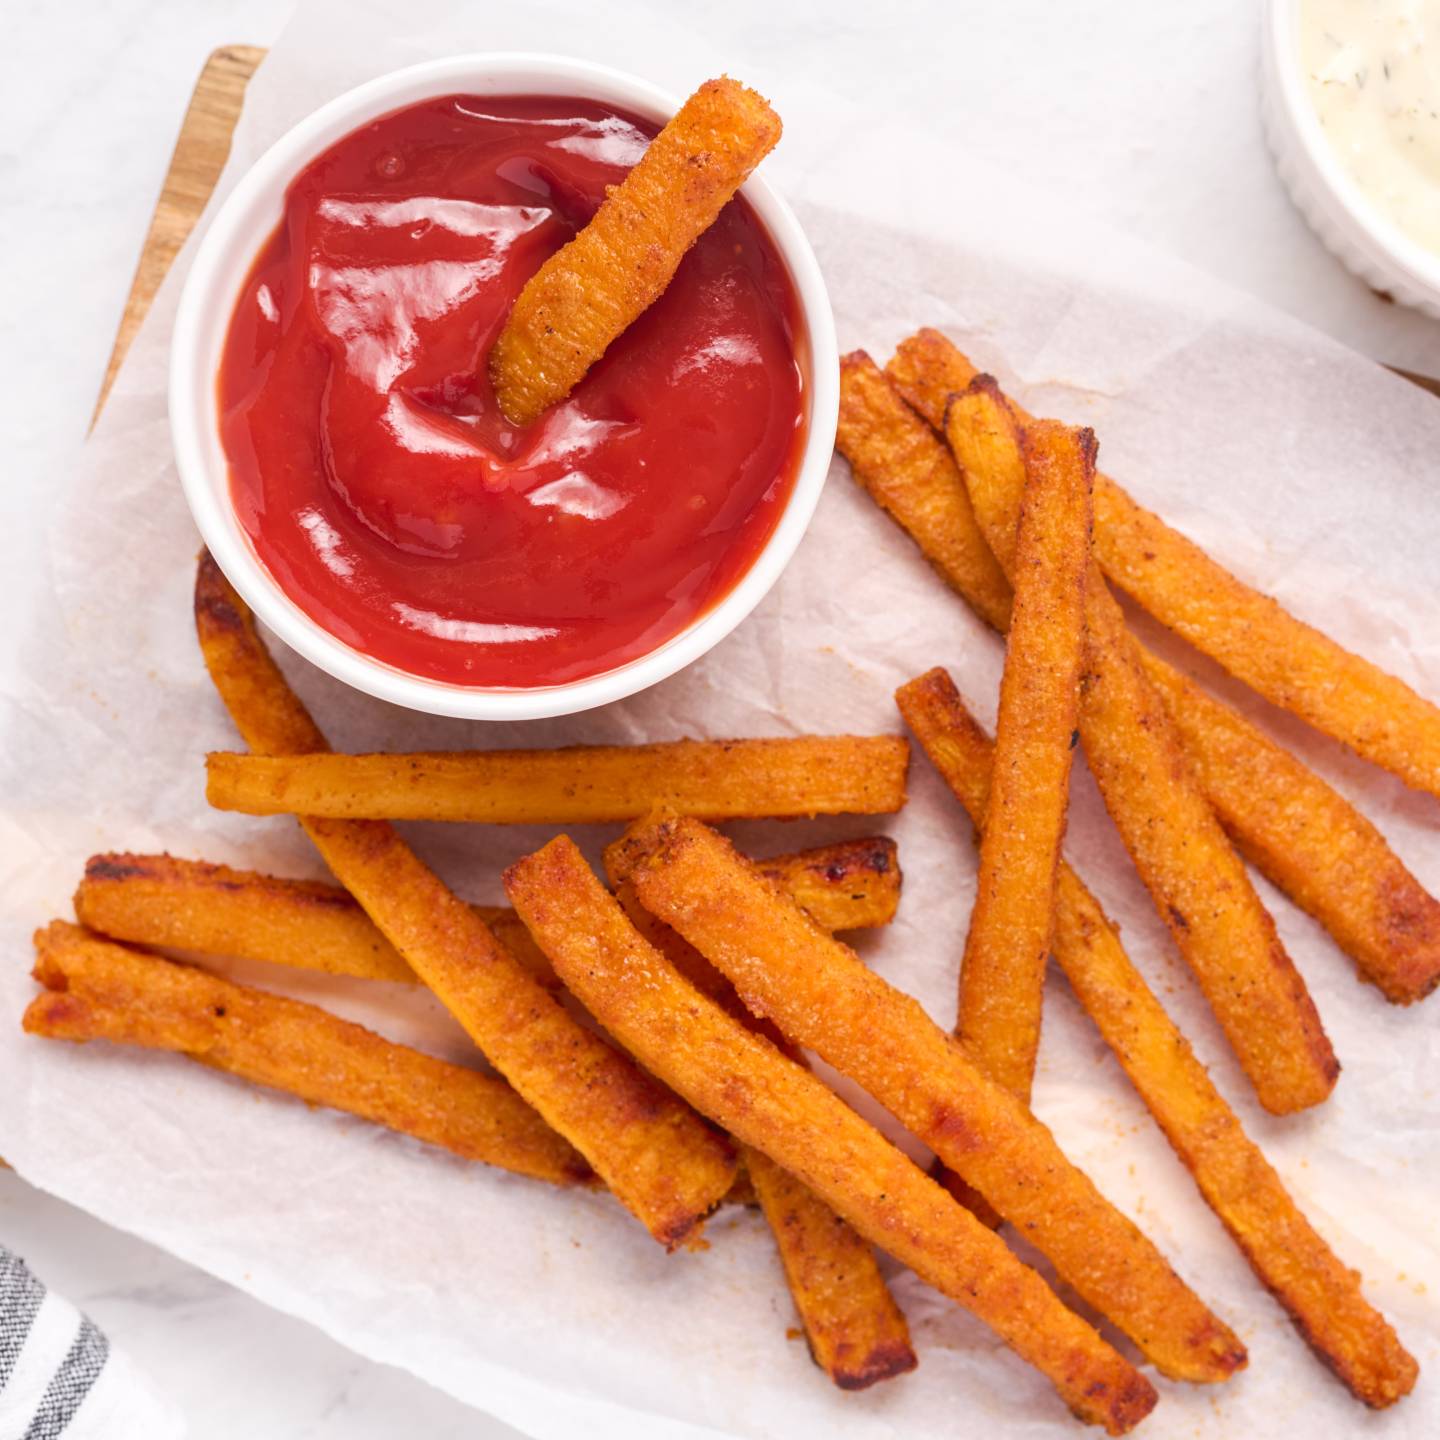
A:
{"points": [[1198, 883], [1003, 975], [159, 900], [718, 779]]}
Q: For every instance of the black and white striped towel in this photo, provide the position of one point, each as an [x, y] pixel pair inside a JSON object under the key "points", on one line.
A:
{"points": [[59, 1379]]}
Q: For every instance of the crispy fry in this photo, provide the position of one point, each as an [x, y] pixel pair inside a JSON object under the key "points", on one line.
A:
{"points": [[1321, 1294], [1289, 662], [914, 478], [746, 1084], [1309, 841], [659, 1158], [822, 996], [215, 910], [1200, 886], [716, 779], [589, 292], [1003, 975], [1373, 907], [101, 991], [856, 1331]]}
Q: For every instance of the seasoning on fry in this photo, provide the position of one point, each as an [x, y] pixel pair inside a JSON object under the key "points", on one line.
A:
{"points": [[1003, 975]]}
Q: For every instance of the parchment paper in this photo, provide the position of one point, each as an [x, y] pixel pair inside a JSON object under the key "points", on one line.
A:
{"points": [[1304, 467]]}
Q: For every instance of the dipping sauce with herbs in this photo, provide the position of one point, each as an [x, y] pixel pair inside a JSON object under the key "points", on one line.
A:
{"points": [[1372, 68]]}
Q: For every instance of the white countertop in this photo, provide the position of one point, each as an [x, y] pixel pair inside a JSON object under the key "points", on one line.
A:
{"points": [[1145, 115]]}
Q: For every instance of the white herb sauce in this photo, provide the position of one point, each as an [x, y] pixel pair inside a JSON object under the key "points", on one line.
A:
{"points": [[1373, 72]]}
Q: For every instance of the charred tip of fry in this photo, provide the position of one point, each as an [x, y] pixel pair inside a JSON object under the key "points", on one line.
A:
{"points": [[873, 857], [884, 1362], [935, 675], [118, 865], [1230, 1356], [1129, 1403], [1034, 434], [689, 1232], [984, 396], [217, 602], [986, 384], [684, 1233]]}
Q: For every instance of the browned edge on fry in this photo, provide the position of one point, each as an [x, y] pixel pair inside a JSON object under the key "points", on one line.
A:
{"points": [[856, 1332]]}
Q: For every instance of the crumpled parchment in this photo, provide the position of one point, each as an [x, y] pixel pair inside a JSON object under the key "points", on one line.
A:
{"points": [[1305, 468]]}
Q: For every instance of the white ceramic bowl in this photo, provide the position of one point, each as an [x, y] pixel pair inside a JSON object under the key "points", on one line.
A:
{"points": [[1352, 228], [221, 265]]}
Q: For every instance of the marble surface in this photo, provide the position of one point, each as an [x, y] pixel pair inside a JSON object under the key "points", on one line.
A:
{"points": [[1145, 115]]}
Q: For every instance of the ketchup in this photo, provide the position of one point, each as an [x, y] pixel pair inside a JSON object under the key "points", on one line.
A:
{"points": [[372, 468]]}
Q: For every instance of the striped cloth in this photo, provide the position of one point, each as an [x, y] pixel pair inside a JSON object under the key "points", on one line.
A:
{"points": [[59, 1379]]}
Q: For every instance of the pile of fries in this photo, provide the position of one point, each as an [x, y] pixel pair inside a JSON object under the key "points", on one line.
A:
{"points": [[647, 1032]]}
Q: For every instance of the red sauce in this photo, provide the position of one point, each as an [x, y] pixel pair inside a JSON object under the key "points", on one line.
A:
{"points": [[372, 469]]}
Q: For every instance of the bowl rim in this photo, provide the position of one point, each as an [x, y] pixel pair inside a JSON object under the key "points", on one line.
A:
{"points": [[212, 286], [1388, 245]]}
